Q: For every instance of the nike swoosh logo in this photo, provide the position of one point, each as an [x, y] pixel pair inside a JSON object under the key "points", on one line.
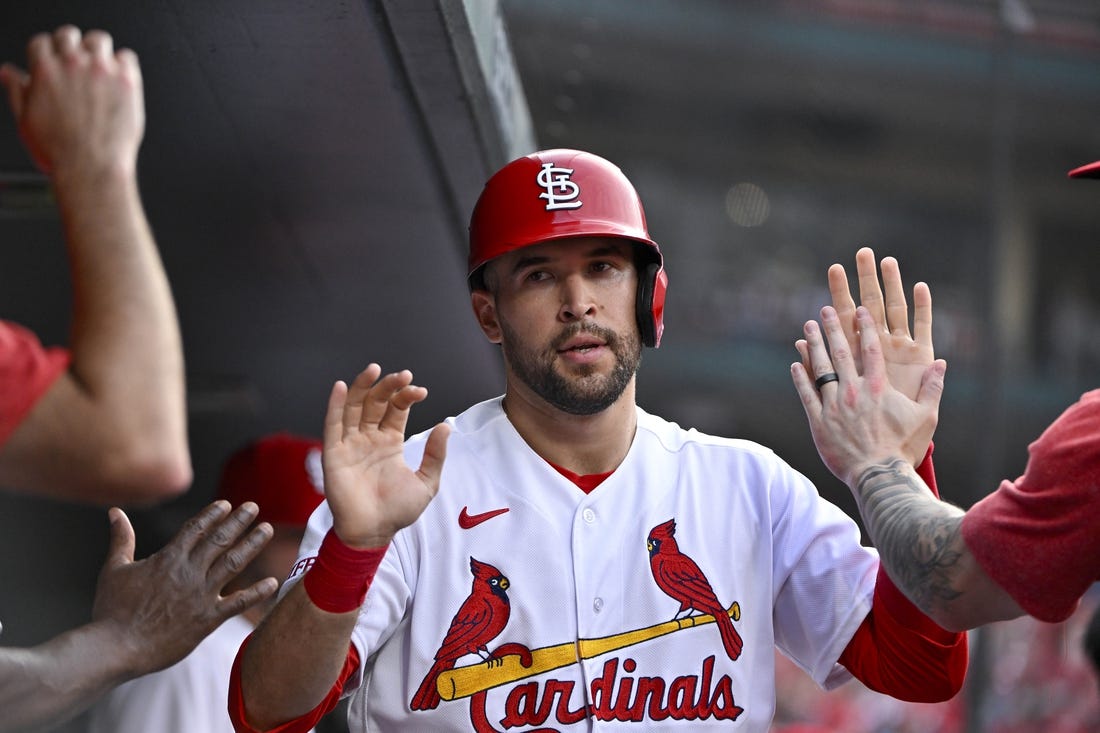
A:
{"points": [[469, 521]]}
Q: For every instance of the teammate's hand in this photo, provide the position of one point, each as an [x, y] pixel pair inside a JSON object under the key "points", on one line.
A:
{"points": [[862, 419], [163, 606], [907, 357], [369, 488], [79, 106]]}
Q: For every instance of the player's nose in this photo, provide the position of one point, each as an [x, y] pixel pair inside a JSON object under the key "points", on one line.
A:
{"points": [[577, 298]]}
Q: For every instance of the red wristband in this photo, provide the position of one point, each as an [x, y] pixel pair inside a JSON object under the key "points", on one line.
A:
{"points": [[340, 575], [927, 471]]}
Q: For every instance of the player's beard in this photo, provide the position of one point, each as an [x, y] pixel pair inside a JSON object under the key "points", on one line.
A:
{"points": [[587, 394]]}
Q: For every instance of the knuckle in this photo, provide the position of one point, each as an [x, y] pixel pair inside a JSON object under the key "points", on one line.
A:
{"points": [[235, 561], [841, 351]]}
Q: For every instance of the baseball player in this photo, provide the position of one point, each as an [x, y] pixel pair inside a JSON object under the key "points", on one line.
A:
{"points": [[281, 473], [1032, 546], [585, 565]]}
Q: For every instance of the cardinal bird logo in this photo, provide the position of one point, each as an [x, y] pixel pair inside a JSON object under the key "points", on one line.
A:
{"points": [[480, 618], [679, 577]]}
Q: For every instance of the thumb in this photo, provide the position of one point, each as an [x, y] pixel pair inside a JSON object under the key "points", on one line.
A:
{"points": [[931, 385], [435, 452], [15, 80], [121, 549]]}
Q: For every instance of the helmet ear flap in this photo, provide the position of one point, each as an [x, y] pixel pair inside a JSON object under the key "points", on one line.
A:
{"points": [[650, 304]]}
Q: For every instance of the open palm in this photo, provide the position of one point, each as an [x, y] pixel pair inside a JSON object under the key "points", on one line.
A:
{"points": [[907, 354], [370, 489]]}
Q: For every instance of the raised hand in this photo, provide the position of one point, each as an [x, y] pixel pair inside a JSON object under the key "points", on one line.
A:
{"points": [[862, 418], [79, 104], [163, 606], [370, 489], [907, 354]]}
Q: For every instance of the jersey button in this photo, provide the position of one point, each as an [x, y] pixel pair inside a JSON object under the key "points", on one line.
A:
{"points": [[589, 516], [597, 605]]}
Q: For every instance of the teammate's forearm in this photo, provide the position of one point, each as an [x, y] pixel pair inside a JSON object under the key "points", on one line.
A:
{"points": [[293, 659], [125, 342], [917, 535], [919, 539], [55, 681]]}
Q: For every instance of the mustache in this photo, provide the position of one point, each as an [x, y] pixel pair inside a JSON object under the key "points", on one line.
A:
{"points": [[606, 335]]}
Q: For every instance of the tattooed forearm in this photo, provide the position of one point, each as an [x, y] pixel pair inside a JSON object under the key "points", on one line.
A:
{"points": [[917, 535]]}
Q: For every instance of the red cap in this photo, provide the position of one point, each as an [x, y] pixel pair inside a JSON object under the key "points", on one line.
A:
{"points": [[555, 194], [1092, 170], [281, 473]]}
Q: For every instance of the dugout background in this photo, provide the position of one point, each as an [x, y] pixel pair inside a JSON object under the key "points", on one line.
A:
{"points": [[308, 168]]}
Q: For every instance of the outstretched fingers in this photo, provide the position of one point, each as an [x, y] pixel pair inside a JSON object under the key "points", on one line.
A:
{"points": [[922, 315], [403, 398], [931, 388], [807, 394], [839, 357], [195, 529], [240, 601], [220, 538], [123, 542], [390, 401], [874, 363], [817, 378], [230, 561], [842, 301], [376, 402], [435, 452], [356, 404], [333, 430], [897, 310], [372, 402], [870, 294]]}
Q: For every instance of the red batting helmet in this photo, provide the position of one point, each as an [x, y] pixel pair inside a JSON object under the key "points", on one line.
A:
{"points": [[281, 473], [559, 194], [1092, 170]]}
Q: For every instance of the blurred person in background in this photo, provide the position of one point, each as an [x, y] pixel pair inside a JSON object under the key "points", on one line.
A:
{"points": [[282, 474], [107, 422], [104, 421]]}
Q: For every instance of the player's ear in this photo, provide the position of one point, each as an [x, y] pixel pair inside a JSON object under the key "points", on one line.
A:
{"points": [[485, 310]]}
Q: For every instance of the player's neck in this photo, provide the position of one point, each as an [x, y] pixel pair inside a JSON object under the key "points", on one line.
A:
{"points": [[584, 444]]}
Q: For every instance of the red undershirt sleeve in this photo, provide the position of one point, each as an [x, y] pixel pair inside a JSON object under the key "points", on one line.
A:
{"points": [[27, 371], [299, 725], [899, 651]]}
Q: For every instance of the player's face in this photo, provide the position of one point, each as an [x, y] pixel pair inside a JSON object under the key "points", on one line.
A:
{"points": [[565, 317]]}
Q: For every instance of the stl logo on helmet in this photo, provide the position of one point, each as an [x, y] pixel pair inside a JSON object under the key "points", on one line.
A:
{"points": [[559, 191]]}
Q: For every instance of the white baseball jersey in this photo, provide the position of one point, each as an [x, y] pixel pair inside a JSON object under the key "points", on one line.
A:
{"points": [[187, 697], [608, 647]]}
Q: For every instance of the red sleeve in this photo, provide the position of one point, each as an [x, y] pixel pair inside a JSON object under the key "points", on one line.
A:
{"points": [[299, 725], [899, 651], [1037, 537], [26, 372]]}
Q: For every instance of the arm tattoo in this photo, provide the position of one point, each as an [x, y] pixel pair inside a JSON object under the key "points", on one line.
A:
{"points": [[917, 535]]}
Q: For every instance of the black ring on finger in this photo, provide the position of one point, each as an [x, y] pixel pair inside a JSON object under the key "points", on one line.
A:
{"points": [[825, 379]]}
